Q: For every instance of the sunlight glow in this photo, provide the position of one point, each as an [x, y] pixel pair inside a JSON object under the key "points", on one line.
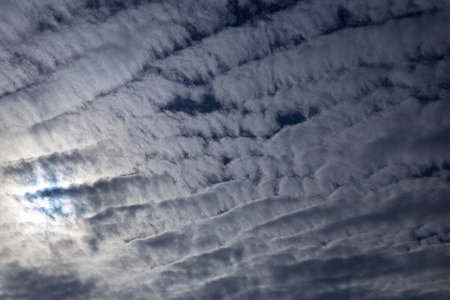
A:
{"points": [[40, 206]]}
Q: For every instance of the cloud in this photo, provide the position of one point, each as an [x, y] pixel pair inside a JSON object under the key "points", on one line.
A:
{"points": [[228, 149], [25, 283]]}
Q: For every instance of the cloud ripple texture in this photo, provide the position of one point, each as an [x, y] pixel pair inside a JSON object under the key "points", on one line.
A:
{"points": [[228, 149]]}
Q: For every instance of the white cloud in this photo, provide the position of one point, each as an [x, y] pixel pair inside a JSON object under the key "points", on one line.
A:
{"points": [[227, 149]]}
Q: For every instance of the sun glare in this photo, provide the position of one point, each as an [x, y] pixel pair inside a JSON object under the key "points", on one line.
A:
{"points": [[45, 202]]}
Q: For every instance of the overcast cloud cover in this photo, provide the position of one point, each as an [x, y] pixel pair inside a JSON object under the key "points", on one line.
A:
{"points": [[226, 149]]}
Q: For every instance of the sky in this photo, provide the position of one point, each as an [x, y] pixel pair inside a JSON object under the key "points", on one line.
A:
{"points": [[226, 149]]}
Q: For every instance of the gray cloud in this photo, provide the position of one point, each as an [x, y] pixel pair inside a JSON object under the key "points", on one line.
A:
{"points": [[24, 283], [224, 150]]}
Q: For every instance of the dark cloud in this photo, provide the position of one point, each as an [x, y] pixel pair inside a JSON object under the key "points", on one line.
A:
{"points": [[32, 283]]}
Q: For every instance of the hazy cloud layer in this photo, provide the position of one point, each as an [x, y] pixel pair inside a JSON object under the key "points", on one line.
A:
{"points": [[232, 149]]}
